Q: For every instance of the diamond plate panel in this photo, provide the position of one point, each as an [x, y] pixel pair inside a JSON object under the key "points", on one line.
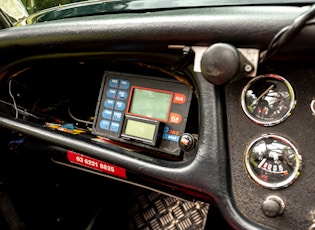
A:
{"points": [[150, 210]]}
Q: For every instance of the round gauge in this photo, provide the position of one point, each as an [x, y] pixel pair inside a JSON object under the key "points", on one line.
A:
{"points": [[268, 99], [273, 161]]}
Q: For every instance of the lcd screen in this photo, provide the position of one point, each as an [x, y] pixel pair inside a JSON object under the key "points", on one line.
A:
{"points": [[150, 103], [140, 129]]}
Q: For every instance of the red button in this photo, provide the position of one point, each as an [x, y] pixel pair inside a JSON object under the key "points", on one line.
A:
{"points": [[179, 98], [175, 118]]}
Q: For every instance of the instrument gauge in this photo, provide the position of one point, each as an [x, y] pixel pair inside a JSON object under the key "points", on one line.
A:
{"points": [[273, 161], [268, 99]]}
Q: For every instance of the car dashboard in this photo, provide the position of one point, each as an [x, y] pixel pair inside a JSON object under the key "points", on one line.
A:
{"points": [[131, 97]]}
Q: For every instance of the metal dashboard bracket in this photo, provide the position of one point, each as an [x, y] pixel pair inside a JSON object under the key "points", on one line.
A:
{"points": [[251, 54]]}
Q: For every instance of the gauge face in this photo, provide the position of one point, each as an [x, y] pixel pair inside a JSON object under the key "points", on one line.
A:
{"points": [[273, 161], [268, 99]]}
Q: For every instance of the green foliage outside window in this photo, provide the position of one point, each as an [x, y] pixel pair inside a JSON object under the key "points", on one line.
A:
{"points": [[34, 6]]}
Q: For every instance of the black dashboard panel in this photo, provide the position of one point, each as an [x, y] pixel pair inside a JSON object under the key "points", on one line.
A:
{"points": [[51, 73]]}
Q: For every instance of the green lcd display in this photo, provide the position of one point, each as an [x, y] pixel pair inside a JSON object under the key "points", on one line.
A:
{"points": [[140, 129], [151, 104]]}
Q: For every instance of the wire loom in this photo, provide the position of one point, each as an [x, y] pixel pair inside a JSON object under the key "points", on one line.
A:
{"points": [[287, 33]]}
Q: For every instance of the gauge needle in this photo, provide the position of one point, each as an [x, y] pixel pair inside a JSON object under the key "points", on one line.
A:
{"points": [[262, 162], [263, 94]]}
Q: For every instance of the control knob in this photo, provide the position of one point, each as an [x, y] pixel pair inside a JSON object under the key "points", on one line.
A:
{"points": [[222, 63], [273, 206], [187, 142]]}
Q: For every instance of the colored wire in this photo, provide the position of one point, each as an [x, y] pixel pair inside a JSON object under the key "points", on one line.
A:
{"points": [[78, 120]]}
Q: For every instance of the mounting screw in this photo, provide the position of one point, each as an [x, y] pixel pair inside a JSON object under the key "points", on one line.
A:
{"points": [[248, 68]]}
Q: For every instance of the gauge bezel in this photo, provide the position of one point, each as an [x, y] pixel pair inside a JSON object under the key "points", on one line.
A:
{"points": [[313, 106], [277, 120], [282, 184]]}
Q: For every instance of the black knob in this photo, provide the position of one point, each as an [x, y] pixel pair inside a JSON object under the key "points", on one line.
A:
{"points": [[222, 63], [272, 206]]}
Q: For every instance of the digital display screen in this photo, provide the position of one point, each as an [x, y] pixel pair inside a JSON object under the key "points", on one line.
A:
{"points": [[150, 103], [140, 129]]}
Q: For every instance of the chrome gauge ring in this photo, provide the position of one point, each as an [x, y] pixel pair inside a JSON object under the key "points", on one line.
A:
{"points": [[273, 161], [268, 99]]}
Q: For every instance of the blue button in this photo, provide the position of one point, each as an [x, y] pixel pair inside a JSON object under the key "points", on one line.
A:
{"points": [[117, 116], [113, 82], [166, 129], [107, 114], [109, 103], [114, 127], [111, 93], [120, 105], [171, 137], [122, 95], [124, 84], [104, 124]]}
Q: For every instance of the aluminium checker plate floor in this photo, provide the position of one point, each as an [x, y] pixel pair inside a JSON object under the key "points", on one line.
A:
{"points": [[149, 210]]}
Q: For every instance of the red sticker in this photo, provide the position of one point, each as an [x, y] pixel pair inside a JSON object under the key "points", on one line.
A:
{"points": [[98, 165]]}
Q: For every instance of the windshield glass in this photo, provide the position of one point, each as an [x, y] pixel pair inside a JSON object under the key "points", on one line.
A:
{"points": [[33, 6], [46, 10]]}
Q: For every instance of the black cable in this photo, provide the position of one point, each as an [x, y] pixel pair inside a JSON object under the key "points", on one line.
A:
{"points": [[287, 33]]}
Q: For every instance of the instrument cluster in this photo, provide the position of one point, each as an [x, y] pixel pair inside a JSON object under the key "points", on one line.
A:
{"points": [[271, 160]]}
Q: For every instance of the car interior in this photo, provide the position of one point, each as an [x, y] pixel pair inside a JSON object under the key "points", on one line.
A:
{"points": [[195, 117]]}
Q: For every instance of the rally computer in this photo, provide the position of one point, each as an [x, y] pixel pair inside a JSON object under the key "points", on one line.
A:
{"points": [[143, 111]]}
